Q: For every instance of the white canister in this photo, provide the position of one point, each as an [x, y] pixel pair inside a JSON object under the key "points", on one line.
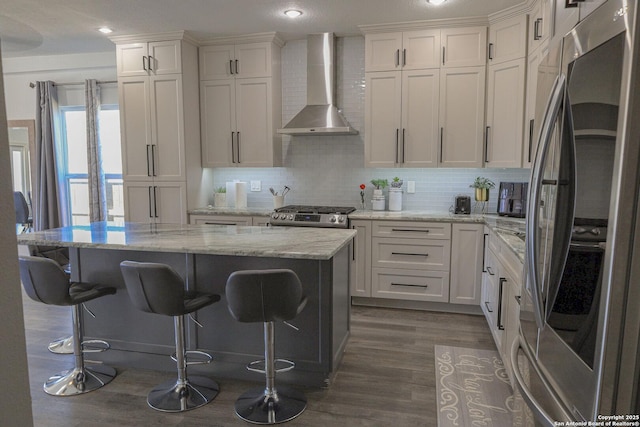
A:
{"points": [[395, 199], [220, 200], [231, 194], [241, 195], [278, 201], [377, 203]]}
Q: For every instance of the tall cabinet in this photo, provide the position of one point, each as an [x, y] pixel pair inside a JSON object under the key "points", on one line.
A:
{"points": [[158, 94], [424, 96], [240, 101]]}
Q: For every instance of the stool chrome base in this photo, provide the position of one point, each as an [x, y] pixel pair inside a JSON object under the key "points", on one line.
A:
{"points": [[62, 345], [79, 380], [255, 406], [172, 396]]}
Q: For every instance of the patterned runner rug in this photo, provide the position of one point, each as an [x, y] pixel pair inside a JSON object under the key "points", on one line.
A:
{"points": [[473, 389]]}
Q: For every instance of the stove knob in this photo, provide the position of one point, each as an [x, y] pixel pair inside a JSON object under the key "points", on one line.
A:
{"points": [[333, 219], [291, 217], [340, 219], [595, 231], [274, 216], [579, 230]]}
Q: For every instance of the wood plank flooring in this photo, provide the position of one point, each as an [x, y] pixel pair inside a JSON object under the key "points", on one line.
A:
{"points": [[387, 377]]}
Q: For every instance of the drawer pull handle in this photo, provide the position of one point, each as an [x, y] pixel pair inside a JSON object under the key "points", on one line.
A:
{"points": [[220, 223], [407, 253], [490, 270], [518, 299], [412, 285], [410, 230], [486, 304]]}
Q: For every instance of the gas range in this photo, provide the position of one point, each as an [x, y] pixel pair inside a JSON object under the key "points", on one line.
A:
{"points": [[311, 216]]}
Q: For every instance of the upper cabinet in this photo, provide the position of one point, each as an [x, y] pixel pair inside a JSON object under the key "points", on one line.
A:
{"points": [[540, 23], [414, 116], [508, 39], [149, 58], [240, 102]]}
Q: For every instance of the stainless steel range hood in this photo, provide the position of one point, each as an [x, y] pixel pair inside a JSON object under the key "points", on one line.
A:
{"points": [[320, 116]]}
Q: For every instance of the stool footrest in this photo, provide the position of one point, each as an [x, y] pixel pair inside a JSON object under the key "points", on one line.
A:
{"points": [[258, 366], [100, 346], [205, 357]]}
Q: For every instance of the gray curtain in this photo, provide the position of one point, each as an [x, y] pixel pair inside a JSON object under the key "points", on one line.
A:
{"points": [[97, 187], [47, 209]]}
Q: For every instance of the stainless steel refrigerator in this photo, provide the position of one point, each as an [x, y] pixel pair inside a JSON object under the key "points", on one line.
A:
{"points": [[577, 353]]}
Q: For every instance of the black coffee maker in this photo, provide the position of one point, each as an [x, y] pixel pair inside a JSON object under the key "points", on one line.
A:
{"points": [[512, 199]]}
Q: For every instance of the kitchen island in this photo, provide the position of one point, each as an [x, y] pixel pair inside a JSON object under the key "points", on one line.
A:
{"points": [[205, 256]]}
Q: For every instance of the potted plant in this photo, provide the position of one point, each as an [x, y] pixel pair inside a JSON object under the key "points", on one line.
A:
{"points": [[377, 201], [482, 186], [380, 185], [220, 197], [396, 183]]}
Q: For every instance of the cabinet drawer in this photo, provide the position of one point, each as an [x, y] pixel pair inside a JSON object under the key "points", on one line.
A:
{"points": [[220, 220], [417, 285], [412, 229], [494, 242], [410, 253]]}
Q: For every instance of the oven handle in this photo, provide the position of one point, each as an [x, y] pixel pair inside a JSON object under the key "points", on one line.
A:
{"points": [[586, 246]]}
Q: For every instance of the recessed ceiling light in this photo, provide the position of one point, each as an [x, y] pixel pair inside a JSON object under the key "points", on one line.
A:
{"points": [[105, 30], [292, 13], [436, 2]]}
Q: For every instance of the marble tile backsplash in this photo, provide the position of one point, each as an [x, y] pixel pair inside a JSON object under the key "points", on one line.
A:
{"points": [[329, 169]]}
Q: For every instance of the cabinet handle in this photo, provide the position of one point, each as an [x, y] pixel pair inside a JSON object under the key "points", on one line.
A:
{"points": [[518, 299], [238, 146], [410, 229], [149, 62], [412, 285], [353, 247], [403, 129], [572, 3], [486, 304], [441, 138], [155, 201], [490, 51], [531, 122], [144, 63], [536, 29], [233, 153], [486, 144], [404, 57], [490, 271], [148, 163], [397, 133], [408, 253], [231, 66], [397, 57], [443, 55], [484, 251], [500, 290], [150, 203], [220, 223], [237, 69], [153, 160]]}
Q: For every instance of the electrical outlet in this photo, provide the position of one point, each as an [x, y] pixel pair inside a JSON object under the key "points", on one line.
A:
{"points": [[411, 187], [256, 186]]}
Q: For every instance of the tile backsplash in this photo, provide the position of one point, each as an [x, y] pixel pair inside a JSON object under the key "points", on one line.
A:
{"points": [[329, 169]]}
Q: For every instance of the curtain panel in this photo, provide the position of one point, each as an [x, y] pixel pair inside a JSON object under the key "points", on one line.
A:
{"points": [[97, 186]]}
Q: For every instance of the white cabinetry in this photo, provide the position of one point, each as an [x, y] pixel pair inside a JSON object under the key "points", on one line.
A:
{"points": [[240, 220], [540, 23], [360, 270], [466, 263], [424, 97], [240, 101], [508, 39], [157, 87]]}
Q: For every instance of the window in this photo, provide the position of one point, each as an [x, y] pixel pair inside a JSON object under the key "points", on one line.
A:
{"points": [[74, 164]]}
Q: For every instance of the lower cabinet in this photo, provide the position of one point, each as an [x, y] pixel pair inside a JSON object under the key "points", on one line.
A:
{"points": [[155, 202], [360, 269], [241, 220], [416, 285], [466, 263]]}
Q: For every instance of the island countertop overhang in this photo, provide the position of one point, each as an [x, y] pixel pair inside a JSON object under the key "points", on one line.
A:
{"points": [[280, 242]]}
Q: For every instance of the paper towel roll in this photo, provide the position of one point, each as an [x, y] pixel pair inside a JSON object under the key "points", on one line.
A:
{"points": [[241, 195], [231, 194]]}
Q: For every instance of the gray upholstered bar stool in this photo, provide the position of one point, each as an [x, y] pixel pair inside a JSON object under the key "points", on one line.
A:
{"points": [[267, 296], [45, 281], [157, 288]]}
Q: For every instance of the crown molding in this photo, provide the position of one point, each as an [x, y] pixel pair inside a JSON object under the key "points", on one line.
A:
{"points": [[271, 37], [425, 25]]}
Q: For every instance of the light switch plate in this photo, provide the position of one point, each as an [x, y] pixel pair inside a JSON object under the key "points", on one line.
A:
{"points": [[256, 186], [411, 187]]}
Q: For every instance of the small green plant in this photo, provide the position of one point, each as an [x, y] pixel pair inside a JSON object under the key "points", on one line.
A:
{"points": [[220, 190], [483, 183], [380, 183], [396, 183]]}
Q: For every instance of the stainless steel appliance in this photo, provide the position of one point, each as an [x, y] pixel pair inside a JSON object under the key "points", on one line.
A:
{"points": [[577, 353], [512, 199], [311, 216], [463, 205]]}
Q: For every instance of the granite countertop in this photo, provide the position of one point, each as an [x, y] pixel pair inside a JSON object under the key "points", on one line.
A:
{"points": [[281, 242]]}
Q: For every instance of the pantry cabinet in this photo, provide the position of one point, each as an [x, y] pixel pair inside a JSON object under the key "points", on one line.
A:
{"points": [[408, 50], [240, 102], [159, 126]]}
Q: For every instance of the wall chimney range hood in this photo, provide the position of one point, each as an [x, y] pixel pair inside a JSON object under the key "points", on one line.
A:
{"points": [[320, 116]]}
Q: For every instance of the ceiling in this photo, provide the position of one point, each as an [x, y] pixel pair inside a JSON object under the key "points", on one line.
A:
{"points": [[51, 27]]}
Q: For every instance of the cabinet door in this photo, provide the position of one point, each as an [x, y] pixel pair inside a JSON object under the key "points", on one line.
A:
{"points": [[466, 263], [360, 271], [254, 130], [508, 39], [138, 202], [539, 23], [221, 220], [511, 314], [218, 120], [383, 97], [462, 116], [529, 145], [131, 59], [254, 60], [260, 221], [505, 113], [420, 49], [416, 285], [165, 57], [167, 128], [135, 128], [382, 51], [420, 108], [464, 47], [216, 62], [170, 202]]}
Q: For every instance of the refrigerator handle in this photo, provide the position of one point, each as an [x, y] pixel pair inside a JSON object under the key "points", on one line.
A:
{"points": [[546, 133], [541, 415]]}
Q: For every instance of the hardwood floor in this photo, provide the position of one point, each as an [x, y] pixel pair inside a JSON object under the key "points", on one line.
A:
{"points": [[387, 377]]}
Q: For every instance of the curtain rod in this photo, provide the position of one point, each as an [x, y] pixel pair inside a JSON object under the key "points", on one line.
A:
{"points": [[33, 85]]}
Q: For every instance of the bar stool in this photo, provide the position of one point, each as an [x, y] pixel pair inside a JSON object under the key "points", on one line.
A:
{"points": [[267, 296], [157, 288], [45, 281]]}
